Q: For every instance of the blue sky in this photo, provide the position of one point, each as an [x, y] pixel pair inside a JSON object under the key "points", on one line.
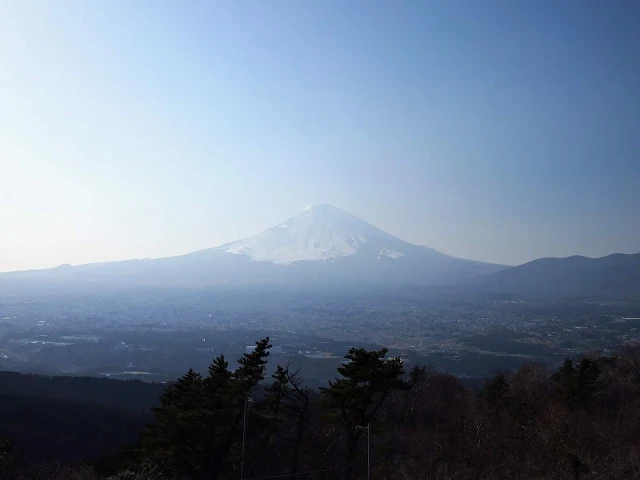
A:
{"points": [[500, 131]]}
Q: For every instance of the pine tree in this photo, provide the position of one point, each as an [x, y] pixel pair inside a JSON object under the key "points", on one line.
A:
{"points": [[578, 384], [270, 418], [587, 380], [284, 415], [367, 379], [252, 367], [218, 406], [271, 409], [250, 372], [199, 421], [565, 378], [496, 392], [174, 439]]}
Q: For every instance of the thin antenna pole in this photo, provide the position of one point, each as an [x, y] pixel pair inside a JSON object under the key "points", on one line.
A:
{"points": [[368, 429], [244, 434], [368, 451]]}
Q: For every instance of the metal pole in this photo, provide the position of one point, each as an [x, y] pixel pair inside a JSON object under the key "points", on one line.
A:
{"points": [[368, 429], [244, 432], [368, 451]]}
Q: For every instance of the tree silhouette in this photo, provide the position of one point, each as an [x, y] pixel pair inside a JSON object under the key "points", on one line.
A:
{"points": [[367, 379], [198, 424]]}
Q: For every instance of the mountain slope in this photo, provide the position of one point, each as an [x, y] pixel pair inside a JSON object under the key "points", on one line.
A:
{"points": [[327, 245], [322, 232], [617, 274], [323, 246]]}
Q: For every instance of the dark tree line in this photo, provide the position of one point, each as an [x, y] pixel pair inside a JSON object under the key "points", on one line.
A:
{"points": [[133, 396], [224, 426], [579, 422]]}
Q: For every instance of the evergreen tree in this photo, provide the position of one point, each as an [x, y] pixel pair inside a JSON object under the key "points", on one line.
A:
{"points": [[367, 379], [174, 439], [218, 406], [578, 384], [496, 392], [587, 380], [271, 409], [252, 367], [198, 426], [233, 395], [565, 379], [271, 417], [284, 414]]}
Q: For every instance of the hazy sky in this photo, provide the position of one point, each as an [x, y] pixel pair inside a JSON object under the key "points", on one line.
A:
{"points": [[493, 130]]}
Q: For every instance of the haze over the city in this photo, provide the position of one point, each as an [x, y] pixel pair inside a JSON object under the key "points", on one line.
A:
{"points": [[493, 131]]}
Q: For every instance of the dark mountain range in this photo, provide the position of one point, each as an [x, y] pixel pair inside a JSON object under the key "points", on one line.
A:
{"points": [[617, 274]]}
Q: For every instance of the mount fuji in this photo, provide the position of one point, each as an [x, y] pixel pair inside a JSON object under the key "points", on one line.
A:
{"points": [[320, 233], [322, 246]]}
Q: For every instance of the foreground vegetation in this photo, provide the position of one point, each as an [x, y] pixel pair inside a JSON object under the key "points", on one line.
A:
{"points": [[580, 422]]}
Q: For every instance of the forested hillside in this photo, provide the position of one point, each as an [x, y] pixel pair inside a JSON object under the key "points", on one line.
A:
{"points": [[131, 395], [376, 420]]}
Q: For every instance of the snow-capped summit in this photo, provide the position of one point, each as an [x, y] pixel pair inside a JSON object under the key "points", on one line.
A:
{"points": [[322, 247], [321, 232]]}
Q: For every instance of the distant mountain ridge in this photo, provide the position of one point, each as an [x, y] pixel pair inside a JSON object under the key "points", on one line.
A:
{"points": [[327, 247], [323, 246], [571, 276]]}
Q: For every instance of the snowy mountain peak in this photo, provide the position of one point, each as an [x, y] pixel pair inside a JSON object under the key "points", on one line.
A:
{"points": [[322, 247], [321, 232], [323, 206]]}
